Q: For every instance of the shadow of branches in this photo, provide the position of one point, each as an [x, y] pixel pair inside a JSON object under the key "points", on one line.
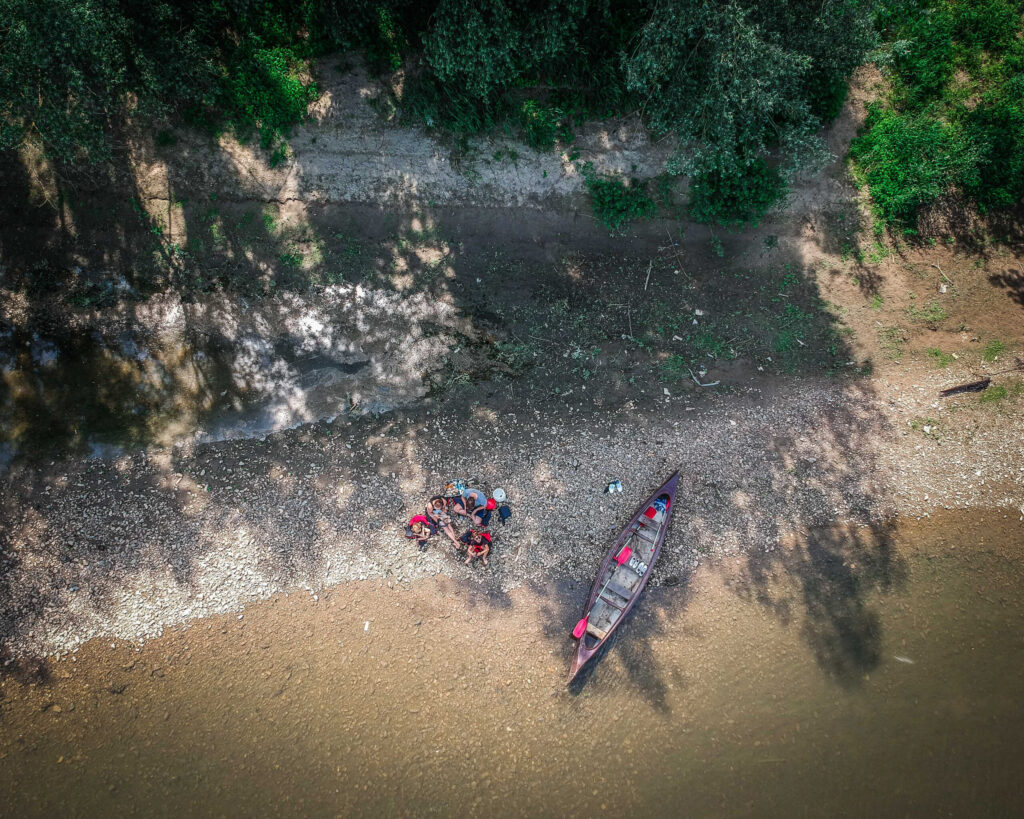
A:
{"points": [[821, 583], [563, 348]]}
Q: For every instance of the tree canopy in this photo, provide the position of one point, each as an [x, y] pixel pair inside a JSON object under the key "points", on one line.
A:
{"points": [[734, 83]]}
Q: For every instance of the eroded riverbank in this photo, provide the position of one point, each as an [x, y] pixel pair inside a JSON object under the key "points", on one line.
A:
{"points": [[853, 671]]}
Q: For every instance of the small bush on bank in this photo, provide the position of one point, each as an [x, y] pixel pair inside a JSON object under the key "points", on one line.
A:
{"points": [[737, 201], [615, 200], [909, 160], [954, 120], [266, 92], [543, 125]]}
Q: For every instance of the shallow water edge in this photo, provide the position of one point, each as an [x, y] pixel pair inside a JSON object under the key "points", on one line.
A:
{"points": [[886, 681]]}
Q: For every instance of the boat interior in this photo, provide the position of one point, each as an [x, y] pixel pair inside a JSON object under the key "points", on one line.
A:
{"points": [[619, 583]]}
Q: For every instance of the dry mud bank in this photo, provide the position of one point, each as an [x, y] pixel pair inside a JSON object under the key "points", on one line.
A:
{"points": [[374, 299]]}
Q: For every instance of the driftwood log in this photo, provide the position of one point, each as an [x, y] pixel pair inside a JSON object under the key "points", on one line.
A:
{"points": [[974, 386]]}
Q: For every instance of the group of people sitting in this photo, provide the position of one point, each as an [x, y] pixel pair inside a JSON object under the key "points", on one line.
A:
{"points": [[442, 511]]}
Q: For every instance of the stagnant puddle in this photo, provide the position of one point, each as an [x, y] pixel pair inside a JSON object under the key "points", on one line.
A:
{"points": [[849, 673]]}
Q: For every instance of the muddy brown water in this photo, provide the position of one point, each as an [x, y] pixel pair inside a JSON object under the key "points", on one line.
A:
{"points": [[883, 680]]}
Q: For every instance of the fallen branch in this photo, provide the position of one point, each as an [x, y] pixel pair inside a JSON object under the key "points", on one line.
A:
{"points": [[982, 384], [974, 386], [1016, 368], [695, 381], [943, 274]]}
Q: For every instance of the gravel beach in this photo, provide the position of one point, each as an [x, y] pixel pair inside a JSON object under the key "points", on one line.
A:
{"points": [[127, 548]]}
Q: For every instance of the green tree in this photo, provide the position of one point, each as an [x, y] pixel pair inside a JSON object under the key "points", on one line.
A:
{"points": [[63, 74]]}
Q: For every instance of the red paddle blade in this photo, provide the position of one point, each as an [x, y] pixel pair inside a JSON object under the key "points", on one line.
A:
{"points": [[581, 626], [623, 556]]}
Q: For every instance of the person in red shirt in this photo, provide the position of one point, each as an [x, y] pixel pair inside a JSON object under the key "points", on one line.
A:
{"points": [[478, 544], [421, 530]]}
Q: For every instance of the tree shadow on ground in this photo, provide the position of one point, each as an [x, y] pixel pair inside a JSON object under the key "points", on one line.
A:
{"points": [[610, 321], [960, 218], [633, 646], [1012, 281], [821, 583]]}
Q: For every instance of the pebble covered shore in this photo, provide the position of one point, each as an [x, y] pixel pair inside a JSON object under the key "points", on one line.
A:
{"points": [[129, 547]]}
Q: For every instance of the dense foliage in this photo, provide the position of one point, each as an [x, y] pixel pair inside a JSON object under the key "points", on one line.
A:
{"points": [[740, 86], [72, 72], [735, 199], [953, 123]]}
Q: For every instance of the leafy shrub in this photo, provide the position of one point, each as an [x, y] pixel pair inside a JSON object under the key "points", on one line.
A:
{"points": [[996, 127], [826, 94], [53, 55], [266, 92], [956, 120], [720, 83], [473, 47], [717, 198], [924, 63], [909, 160], [387, 43], [542, 125], [616, 201], [988, 24]]}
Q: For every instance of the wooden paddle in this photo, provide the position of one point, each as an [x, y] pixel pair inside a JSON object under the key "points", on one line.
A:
{"points": [[620, 558]]}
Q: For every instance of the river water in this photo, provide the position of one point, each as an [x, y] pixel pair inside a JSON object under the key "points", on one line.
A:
{"points": [[815, 680]]}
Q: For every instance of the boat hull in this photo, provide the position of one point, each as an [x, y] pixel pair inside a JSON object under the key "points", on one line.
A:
{"points": [[617, 604]]}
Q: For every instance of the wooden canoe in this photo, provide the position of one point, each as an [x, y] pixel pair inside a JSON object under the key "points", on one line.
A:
{"points": [[618, 587]]}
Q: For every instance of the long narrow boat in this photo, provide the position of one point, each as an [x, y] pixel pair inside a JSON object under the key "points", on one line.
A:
{"points": [[624, 572]]}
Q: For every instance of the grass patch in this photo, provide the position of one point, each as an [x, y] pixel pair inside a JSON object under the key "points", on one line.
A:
{"points": [[793, 326], [876, 302], [932, 313], [892, 340], [516, 354], [675, 368], [939, 358], [1000, 392], [997, 392], [993, 350], [709, 343], [878, 253]]}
